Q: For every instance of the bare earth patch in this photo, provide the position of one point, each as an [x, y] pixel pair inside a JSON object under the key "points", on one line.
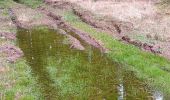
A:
{"points": [[84, 36], [10, 36], [8, 51], [140, 20], [29, 18], [11, 52]]}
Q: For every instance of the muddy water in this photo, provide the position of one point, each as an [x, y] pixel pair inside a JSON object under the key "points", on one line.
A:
{"points": [[68, 74]]}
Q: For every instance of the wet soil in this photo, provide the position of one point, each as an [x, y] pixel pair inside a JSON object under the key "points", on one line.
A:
{"points": [[11, 52], [25, 17], [65, 26], [64, 73], [54, 21], [114, 27], [7, 35], [8, 51]]}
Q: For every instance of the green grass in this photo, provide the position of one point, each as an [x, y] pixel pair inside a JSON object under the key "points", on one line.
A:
{"points": [[31, 3], [5, 3], [18, 82], [146, 66]]}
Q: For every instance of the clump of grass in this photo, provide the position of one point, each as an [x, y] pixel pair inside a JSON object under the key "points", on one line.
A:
{"points": [[5, 3], [147, 66], [31, 3]]}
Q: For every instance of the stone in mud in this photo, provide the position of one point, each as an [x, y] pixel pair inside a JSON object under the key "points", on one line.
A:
{"points": [[12, 52]]}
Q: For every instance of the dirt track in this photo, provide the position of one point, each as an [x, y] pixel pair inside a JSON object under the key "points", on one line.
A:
{"points": [[147, 21], [116, 28], [147, 32], [47, 18]]}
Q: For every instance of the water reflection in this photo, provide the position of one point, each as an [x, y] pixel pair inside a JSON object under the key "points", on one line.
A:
{"points": [[68, 74], [121, 92], [158, 96]]}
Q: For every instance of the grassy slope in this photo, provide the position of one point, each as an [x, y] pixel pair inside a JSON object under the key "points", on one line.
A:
{"points": [[147, 66]]}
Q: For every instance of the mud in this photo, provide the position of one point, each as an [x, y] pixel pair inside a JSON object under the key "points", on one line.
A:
{"points": [[116, 27], [14, 19], [145, 46], [75, 43], [112, 26], [12, 53], [84, 36], [9, 52], [53, 21], [106, 24], [65, 26], [89, 18], [25, 17], [58, 4], [9, 36]]}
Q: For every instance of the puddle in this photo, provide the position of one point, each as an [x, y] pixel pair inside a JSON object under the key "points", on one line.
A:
{"points": [[68, 74]]}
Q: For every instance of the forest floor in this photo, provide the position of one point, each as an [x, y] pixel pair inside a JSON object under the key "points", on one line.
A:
{"points": [[138, 39]]}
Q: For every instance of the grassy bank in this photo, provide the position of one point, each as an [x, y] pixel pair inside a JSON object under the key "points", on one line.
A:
{"points": [[152, 68], [16, 80]]}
